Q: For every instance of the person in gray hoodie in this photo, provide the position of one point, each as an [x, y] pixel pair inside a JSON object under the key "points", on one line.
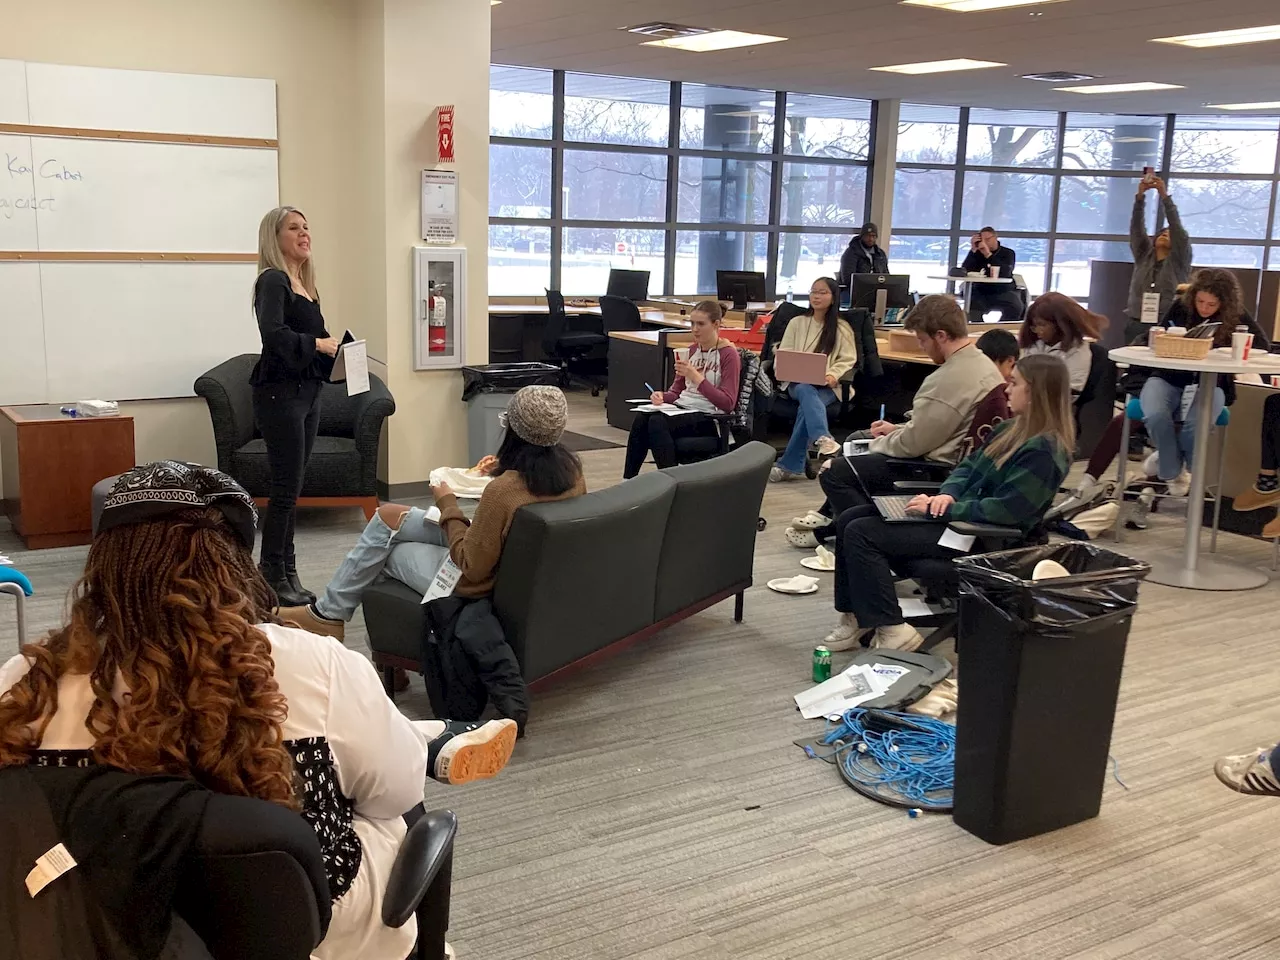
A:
{"points": [[1159, 266]]}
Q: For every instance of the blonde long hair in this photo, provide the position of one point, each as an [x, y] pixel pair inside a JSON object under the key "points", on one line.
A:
{"points": [[270, 256], [1048, 413]]}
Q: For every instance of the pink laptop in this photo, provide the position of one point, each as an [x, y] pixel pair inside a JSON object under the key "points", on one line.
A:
{"points": [[794, 366]]}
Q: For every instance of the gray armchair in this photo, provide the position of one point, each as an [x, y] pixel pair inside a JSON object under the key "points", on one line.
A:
{"points": [[343, 467]]}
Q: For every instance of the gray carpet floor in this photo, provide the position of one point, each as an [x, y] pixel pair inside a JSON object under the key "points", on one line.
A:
{"points": [[658, 810]]}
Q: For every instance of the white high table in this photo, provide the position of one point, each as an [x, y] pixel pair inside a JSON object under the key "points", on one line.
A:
{"points": [[1190, 569], [968, 285]]}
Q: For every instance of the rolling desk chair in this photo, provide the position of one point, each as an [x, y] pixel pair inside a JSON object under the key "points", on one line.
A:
{"points": [[567, 348], [15, 583], [619, 313]]}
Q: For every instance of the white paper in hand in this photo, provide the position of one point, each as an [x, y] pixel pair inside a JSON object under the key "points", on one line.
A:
{"points": [[352, 365], [1150, 308]]}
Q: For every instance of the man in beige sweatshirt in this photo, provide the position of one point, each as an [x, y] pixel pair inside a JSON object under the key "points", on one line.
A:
{"points": [[941, 414]]}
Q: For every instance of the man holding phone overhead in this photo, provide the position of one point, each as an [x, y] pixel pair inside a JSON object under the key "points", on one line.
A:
{"points": [[988, 256], [1159, 266]]}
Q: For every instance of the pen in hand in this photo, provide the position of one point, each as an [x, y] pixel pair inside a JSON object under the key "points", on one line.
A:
{"points": [[882, 411], [649, 388]]}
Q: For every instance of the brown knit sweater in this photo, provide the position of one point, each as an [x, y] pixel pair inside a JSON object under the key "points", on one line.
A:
{"points": [[477, 546]]}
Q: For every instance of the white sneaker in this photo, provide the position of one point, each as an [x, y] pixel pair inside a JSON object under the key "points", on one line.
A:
{"points": [[1151, 465], [847, 636], [804, 539], [827, 446], [778, 475], [1180, 485], [1249, 773], [900, 636]]}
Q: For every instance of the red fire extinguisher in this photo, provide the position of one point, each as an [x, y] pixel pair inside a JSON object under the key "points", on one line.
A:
{"points": [[437, 331]]}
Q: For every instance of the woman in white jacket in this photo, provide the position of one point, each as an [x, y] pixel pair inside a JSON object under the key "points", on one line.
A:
{"points": [[818, 330], [172, 663]]}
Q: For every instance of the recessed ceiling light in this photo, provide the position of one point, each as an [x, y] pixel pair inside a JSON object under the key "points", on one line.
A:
{"points": [[1121, 87], [1260, 105], [714, 40], [1059, 76], [1225, 38], [972, 6], [939, 66]]}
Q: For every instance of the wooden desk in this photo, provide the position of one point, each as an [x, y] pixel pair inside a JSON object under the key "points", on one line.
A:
{"points": [[637, 358], [516, 329], [50, 463]]}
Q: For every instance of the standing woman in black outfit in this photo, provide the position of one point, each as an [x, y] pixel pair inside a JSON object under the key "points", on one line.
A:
{"points": [[297, 357]]}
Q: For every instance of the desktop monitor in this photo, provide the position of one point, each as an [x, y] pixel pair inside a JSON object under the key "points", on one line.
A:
{"points": [[630, 284], [879, 292], [740, 286]]}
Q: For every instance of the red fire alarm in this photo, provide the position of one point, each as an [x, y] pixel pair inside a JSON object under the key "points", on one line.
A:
{"points": [[444, 134]]}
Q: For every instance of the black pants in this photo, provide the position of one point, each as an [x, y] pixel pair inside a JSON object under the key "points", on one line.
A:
{"points": [[1271, 433], [288, 415], [658, 432], [1008, 302], [868, 551], [843, 489]]}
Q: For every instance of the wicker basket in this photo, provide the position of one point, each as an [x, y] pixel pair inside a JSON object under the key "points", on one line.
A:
{"points": [[1181, 348]]}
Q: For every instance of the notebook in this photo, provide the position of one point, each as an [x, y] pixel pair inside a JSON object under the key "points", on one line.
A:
{"points": [[795, 366]]}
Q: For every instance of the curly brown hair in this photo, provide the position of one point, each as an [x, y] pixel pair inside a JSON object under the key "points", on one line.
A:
{"points": [[1223, 285], [168, 607]]}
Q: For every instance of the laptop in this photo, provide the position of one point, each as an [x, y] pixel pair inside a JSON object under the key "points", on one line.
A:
{"points": [[795, 366], [894, 510]]}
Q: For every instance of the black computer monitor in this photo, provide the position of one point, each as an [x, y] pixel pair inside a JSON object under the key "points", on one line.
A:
{"points": [[879, 292], [629, 284], [740, 286]]}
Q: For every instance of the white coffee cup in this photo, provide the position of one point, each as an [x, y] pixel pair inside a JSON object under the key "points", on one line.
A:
{"points": [[682, 354], [993, 272], [1240, 345]]}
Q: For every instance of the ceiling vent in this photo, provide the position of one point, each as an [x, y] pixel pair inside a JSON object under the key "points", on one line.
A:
{"points": [[1059, 76], [666, 31]]}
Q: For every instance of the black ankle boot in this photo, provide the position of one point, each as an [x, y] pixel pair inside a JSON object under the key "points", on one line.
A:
{"points": [[291, 574], [278, 580]]}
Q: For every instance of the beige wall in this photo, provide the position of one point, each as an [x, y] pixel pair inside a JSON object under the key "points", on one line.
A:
{"points": [[355, 88]]}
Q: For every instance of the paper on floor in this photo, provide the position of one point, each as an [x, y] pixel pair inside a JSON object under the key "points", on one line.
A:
{"points": [[845, 690]]}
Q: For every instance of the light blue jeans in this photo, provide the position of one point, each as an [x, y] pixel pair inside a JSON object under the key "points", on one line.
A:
{"points": [[413, 555], [1174, 442], [811, 423]]}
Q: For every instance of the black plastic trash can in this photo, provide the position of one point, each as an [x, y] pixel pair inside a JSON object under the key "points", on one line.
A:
{"points": [[1040, 666], [486, 391]]}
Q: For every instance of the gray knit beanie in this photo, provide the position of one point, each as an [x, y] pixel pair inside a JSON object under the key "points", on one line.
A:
{"points": [[538, 415]]}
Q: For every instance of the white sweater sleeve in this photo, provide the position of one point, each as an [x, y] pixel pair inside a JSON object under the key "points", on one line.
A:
{"points": [[380, 755]]}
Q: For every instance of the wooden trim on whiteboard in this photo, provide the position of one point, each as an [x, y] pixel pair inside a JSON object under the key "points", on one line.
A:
{"points": [[113, 256], [87, 133]]}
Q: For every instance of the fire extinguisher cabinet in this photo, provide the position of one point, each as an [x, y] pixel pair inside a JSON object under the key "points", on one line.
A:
{"points": [[439, 296]]}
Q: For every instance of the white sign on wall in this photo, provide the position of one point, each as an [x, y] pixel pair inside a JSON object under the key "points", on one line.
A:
{"points": [[439, 206]]}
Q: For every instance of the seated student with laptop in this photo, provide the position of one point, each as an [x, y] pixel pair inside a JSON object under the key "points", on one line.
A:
{"points": [[706, 383], [941, 413], [816, 351], [1009, 481]]}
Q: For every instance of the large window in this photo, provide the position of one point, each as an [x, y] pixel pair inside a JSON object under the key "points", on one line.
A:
{"points": [[592, 173], [1060, 188]]}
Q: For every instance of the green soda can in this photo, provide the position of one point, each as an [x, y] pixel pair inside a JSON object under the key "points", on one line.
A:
{"points": [[821, 664]]}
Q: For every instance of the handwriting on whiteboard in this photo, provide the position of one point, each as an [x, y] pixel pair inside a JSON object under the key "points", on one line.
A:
{"points": [[48, 170], [52, 169]]}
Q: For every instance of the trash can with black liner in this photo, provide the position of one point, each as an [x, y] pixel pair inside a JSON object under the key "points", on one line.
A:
{"points": [[487, 389], [1040, 666]]}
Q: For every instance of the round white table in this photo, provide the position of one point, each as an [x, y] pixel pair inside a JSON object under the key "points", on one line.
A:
{"points": [[1190, 569], [968, 285]]}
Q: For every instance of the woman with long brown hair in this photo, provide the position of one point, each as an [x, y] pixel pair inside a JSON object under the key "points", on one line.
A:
{"points": [[1009, 481], [1058, 326], [173, 663], [1213, 296]]}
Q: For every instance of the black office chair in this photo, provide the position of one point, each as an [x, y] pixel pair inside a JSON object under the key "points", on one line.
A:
{"points": [[257, 889], [732, 429], [781, 406], [1024, 294], [569, 349], [619, 313]]}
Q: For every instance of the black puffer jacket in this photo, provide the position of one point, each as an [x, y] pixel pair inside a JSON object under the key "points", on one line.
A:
{"points": [[467, 662]]}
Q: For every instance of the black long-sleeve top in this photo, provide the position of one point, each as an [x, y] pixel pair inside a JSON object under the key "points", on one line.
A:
{"points": [[290, 325], [1003, 257], [1180, 316]]}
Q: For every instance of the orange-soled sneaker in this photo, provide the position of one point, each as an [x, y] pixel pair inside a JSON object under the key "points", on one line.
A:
{"points": [[471, 750]]}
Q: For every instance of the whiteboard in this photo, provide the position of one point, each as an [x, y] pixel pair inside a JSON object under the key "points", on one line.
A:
{"points": [[104, 195], [163, 323], [127, 329]]}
